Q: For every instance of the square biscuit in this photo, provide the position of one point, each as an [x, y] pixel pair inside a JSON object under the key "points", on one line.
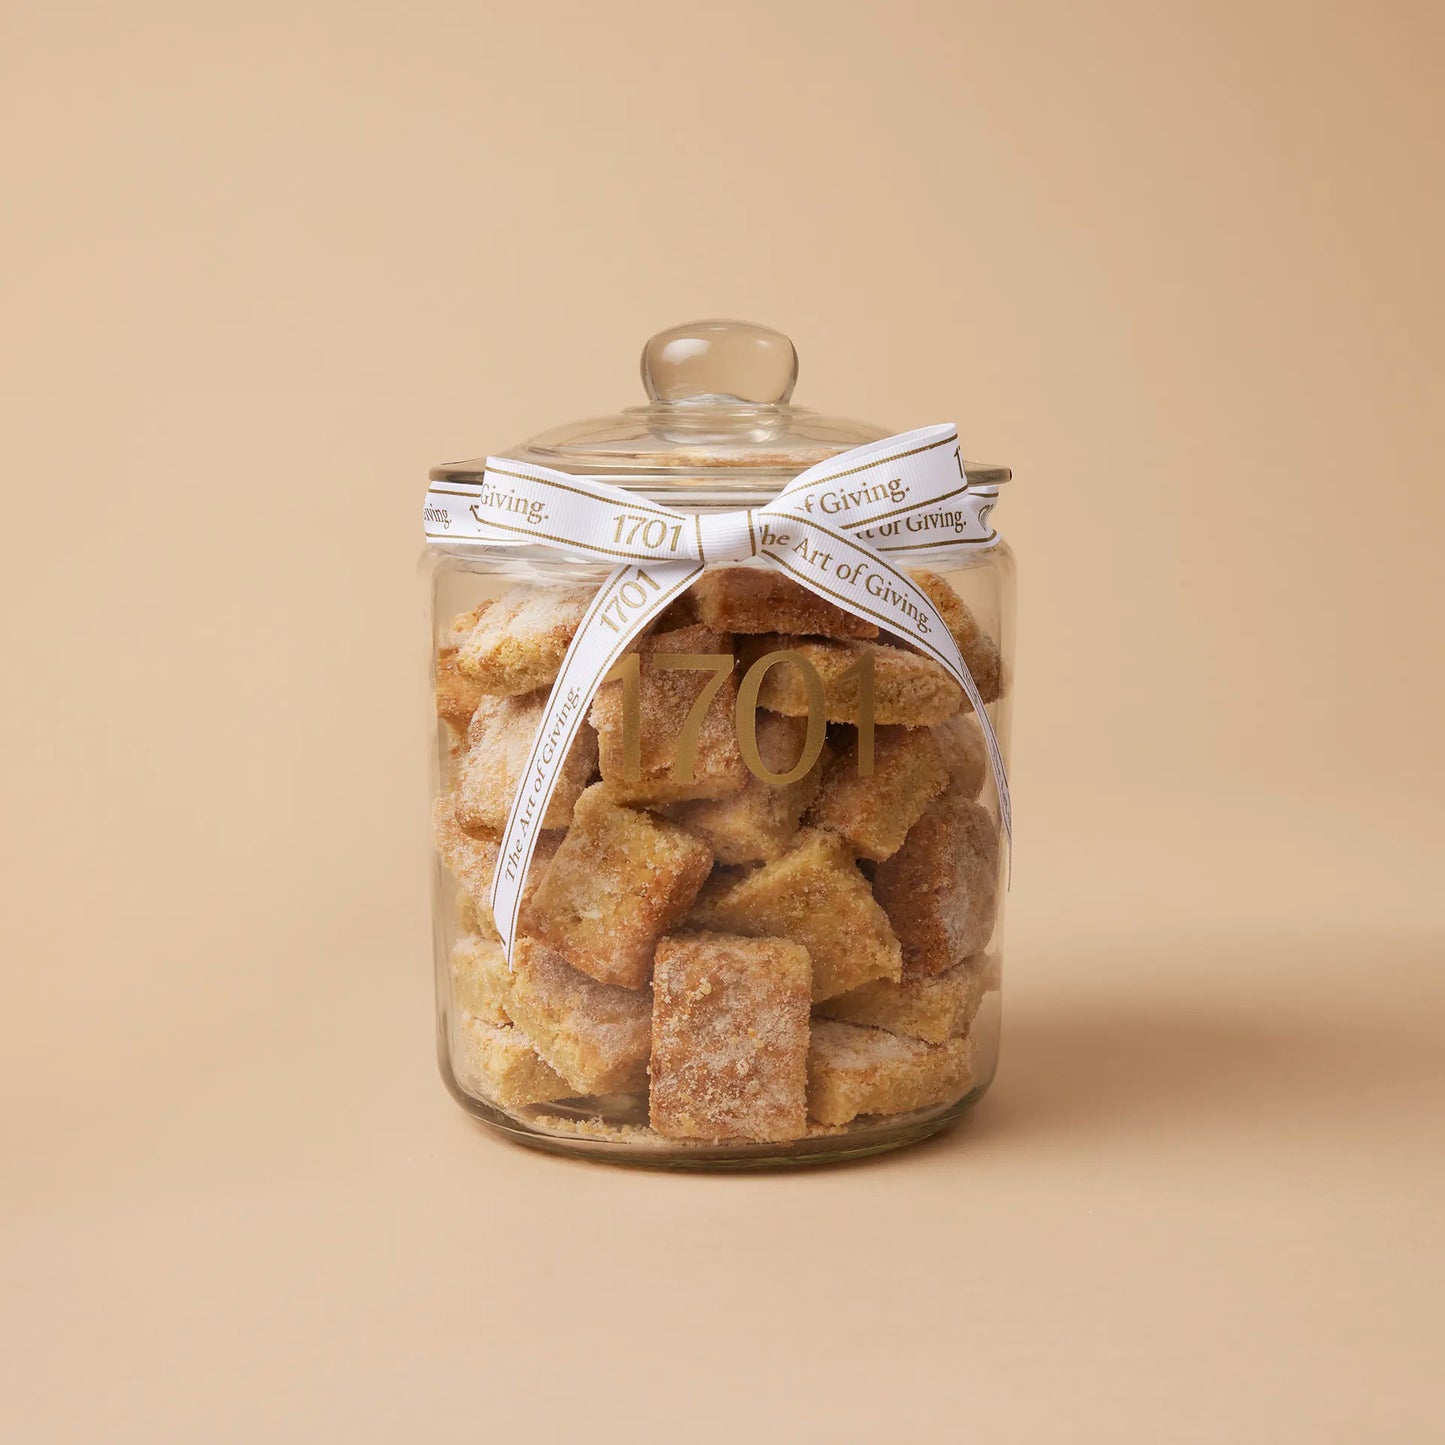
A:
{"points": [[757, 822], [980, 651], [873, 814], [595, 1035], [853, 1071], [933, 1009], [456, 696], [518, 643], [499, 742], [472, 860], [908, 689], [497, 1062], [619, 880], [940, 889], [815, 896], [481, 979], [730, 1038], [666, 699], [960, 743], [764, 599]]}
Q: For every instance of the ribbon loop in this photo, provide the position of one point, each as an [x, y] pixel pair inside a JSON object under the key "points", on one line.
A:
{"points": [[833, 528]]}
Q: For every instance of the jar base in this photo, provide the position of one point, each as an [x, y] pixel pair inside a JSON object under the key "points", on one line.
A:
{"points": [[590, 1137]]}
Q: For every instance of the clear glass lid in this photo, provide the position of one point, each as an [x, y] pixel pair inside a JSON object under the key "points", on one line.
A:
{"points": [[719, 396]]}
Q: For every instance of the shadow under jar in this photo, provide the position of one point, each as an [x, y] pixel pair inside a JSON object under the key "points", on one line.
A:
{"points": [[763, 921]]}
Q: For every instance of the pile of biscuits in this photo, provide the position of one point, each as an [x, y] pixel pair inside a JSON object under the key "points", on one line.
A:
{"points": [[756, 960]]}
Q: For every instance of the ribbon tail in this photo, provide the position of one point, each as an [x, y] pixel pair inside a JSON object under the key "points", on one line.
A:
{"points": [[624, 606]]}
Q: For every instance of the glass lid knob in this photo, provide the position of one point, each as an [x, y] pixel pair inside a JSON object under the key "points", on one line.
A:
{"points": [[720, 361]]}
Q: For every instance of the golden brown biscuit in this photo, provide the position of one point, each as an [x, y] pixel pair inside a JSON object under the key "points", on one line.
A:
{"points": [[757, 822], [814, 895], [666, 698], [518, 643], [595, 1035], [481, 979], [763, 599], [730, 1038], [907, 688], [499, 742], [456, 696], [961, 746], [980, 651], [498, 1062], [619, 880], [940, 889], [854, 1071], [472, 861], [874, 813], [932, 1009]]}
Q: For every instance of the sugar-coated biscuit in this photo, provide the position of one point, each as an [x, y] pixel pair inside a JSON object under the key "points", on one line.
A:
{"points": [[730, 1038], [757, 822], [854, 1070], [499, 742], [980, 651], [680, 612], [456, 696], [595, 1035], [960, 744], [873, 814], [763, 599], [813, 895], [497, 1062], [666, 696], [481, 979], [472, 861], [933, 1009], [518, 643], [619, 880], [940, 889], [908, 689]]}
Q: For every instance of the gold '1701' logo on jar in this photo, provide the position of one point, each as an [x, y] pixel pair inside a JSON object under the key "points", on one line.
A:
{"points": [[719, 666]]}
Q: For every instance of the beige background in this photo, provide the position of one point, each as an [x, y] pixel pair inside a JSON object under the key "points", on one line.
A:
{"points": [[1178, 264]]}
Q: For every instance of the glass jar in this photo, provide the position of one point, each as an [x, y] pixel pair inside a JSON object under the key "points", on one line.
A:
{"points": [[763, 920]]}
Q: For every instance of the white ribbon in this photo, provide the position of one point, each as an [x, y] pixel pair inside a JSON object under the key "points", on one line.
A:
{"points": [[830, 529]]}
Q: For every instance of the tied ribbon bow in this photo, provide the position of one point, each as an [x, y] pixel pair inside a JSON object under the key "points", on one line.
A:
{"points": [[832, 529]]}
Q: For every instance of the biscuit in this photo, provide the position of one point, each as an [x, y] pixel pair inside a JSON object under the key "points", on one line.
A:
{"points": [[980, 651], [908, 689], [457, 630], [940, 889], [813, 895], [874, 814], [730, 1038], [499, 742], [595, 1035], [756, 823], [619, 880], [481, 980], [456, 696], [472, 861], [933, 1009], [680, 612], [763, 599], [666, 697], [518, 643], [853, 1070], [960, 744], [498, 1062]]}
